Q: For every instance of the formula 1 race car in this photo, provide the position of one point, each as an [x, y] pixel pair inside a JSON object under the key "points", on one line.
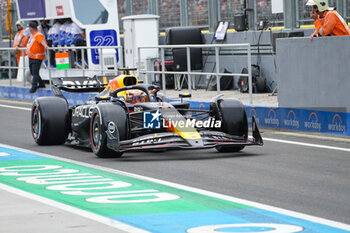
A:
{"points": [[127, 116]]}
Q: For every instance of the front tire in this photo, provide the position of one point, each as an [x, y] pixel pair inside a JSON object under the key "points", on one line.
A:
{"points": [[101, 117], [234, 122], [99, 139]]}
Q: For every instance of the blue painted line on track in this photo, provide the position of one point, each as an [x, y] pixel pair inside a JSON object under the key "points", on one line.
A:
{"points": [[12, 155], [181, 222]]}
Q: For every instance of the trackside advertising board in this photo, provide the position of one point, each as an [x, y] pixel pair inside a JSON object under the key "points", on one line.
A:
{"points": [[143, 203], [333, 121]]}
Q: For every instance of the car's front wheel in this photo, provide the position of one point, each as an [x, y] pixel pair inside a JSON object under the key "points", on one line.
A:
{"points": [[108, 126], [99, 139], [234, 122]]}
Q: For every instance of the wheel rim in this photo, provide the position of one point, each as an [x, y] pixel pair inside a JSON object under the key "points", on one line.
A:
{"points": [[36, 123], [96, 132]]}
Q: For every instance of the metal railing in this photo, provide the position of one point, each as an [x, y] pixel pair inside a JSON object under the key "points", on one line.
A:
{"points": [[51, 71], [102, 69], [189, 71], [15, 67]]}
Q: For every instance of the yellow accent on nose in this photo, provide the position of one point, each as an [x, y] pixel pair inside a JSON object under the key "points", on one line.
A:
{"points": [[190, 135]]}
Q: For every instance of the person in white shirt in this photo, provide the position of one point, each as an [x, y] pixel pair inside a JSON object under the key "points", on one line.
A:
{"points": [[52, 34], [73, 34], [62, 32], [52, 40], [75, 37]]}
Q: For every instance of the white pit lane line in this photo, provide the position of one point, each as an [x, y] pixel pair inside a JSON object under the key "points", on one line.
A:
{"points": [[264, 138], [15, 107], [307, 144]]}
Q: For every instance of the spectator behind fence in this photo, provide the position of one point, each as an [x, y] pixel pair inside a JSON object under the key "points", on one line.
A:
{"points": [[44, 27], [62, 32], [328, 22], [52, 40], [52, 34], [20, 40], [75, 37], [80, 41], [36, 53], [73, 34]]}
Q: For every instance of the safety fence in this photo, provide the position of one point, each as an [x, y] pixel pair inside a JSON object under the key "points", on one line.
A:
{"points": [[104, 61], [189, 72], [111, 55]]}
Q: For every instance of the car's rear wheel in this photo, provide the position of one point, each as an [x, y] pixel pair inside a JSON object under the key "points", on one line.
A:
{"points": [[50, 121], [234, 122]]}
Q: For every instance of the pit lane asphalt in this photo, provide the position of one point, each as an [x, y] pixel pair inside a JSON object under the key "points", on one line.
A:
{"points": [[305, 179]]}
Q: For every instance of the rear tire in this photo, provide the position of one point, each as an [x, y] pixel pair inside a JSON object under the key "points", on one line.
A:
{"points": [[234, 122], [50, 121]]}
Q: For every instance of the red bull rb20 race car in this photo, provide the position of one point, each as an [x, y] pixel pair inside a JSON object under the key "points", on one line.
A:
{"points": [[127, 116]]}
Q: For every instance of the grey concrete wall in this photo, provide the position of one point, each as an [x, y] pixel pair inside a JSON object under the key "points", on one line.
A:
{"points": [[313, 73]]}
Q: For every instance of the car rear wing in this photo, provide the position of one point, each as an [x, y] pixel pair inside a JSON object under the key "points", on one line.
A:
{"points": [[80, 84]]}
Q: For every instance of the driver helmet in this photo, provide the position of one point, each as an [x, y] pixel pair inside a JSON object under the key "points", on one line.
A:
{"points": [[322, 5], [135, 96]]}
